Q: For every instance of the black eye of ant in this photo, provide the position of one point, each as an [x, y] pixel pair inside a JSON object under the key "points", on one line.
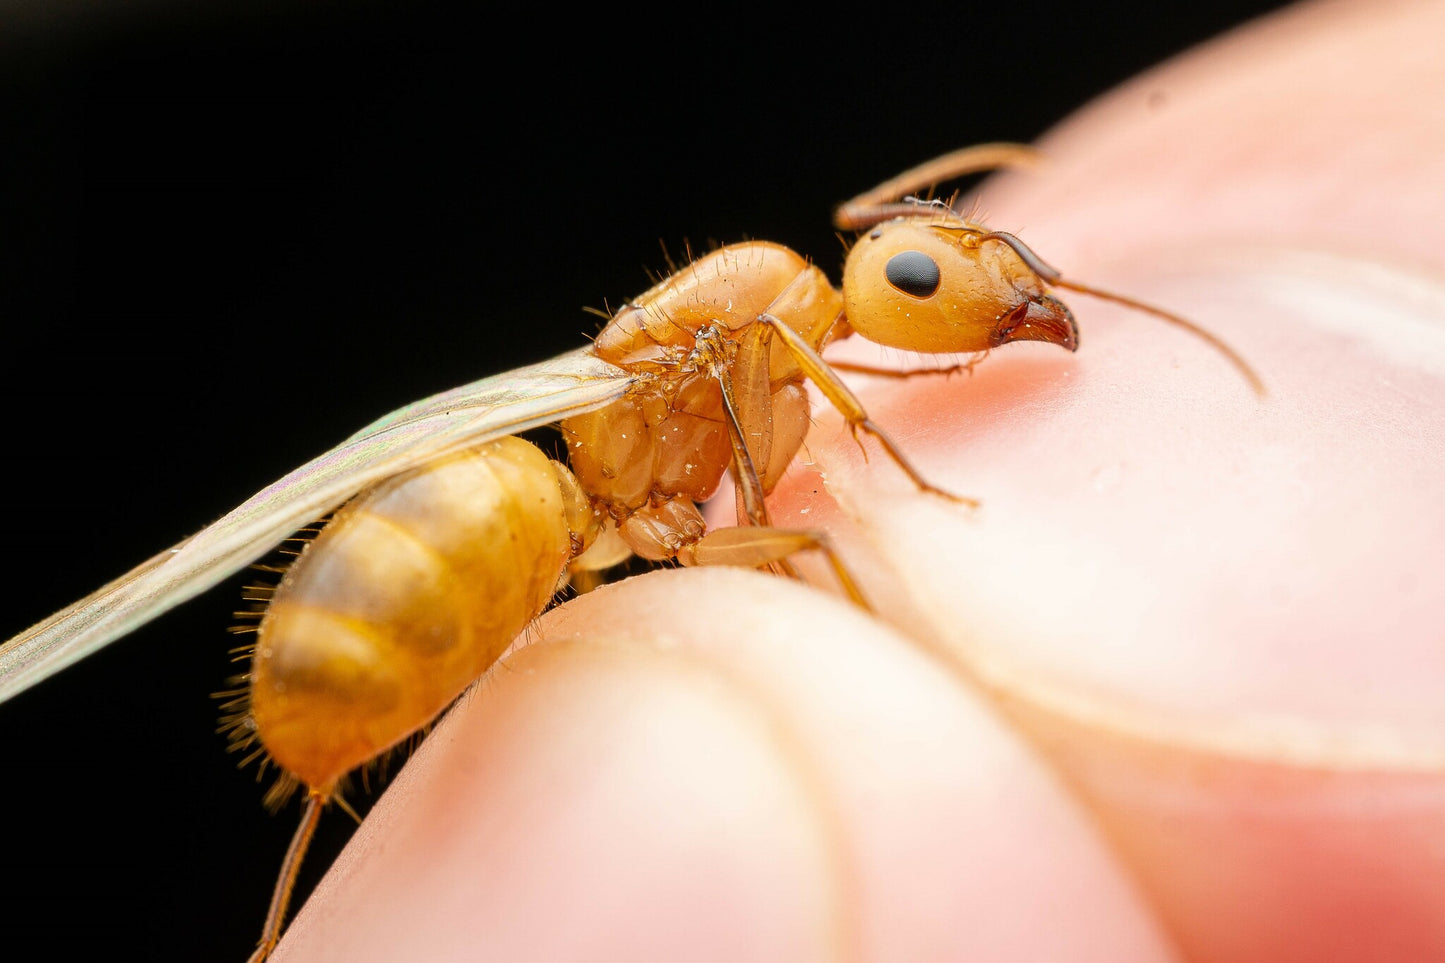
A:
{"points": [[914, 273]]}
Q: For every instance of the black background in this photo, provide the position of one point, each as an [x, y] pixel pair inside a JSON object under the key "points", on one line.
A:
{"points": [[230, 240]]}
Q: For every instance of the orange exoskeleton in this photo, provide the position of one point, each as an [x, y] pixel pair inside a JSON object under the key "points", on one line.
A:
{"points": [[450, 536]]}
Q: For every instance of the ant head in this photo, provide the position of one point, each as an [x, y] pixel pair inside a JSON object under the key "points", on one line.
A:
{"points": [[933, 282]]}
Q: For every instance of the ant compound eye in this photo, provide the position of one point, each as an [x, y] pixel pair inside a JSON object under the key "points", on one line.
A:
{"points": [[914, 273]]}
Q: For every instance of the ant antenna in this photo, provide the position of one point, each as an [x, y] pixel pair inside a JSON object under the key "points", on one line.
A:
{"points": [[1052, 277]]}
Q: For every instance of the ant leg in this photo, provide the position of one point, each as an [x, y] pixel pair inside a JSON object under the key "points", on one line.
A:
{"points": [[286, 881], [759, 547], [588, 571], [751, 408], [676, 530], [838, 394], [875, 206], [868, 369]]}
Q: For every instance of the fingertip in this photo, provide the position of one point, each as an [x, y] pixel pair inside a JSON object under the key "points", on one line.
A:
{"points": [[721, 765], [1212, 610]]}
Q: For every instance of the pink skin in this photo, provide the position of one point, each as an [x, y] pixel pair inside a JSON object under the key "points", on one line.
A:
{"points": [[1173, 692]]}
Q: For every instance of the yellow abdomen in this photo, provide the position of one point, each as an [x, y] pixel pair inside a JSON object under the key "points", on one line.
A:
{"points": [[412, 591]]}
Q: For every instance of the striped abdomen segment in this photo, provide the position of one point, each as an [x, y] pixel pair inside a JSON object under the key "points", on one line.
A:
{"points": [[412, 591]]}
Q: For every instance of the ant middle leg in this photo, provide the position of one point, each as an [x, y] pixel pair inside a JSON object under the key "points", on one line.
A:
{"points": [[821, 373]]}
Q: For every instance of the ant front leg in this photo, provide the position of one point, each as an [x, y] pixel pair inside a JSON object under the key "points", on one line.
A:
{"points": [[853, 367], [842, 398]]}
